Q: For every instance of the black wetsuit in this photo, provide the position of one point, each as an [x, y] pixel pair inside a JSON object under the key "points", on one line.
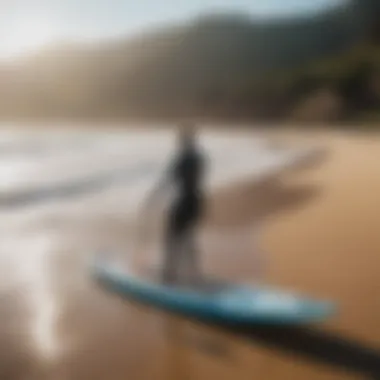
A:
{"points": [[185, 212]]}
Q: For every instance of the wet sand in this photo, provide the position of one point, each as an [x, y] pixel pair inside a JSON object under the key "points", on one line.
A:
{"points": [[319, 235]]}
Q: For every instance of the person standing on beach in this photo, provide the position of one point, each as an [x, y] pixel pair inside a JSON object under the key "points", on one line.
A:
{"points": [[186, 173]]}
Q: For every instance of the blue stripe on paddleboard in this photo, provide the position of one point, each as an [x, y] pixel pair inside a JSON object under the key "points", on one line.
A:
{"points": [[233, 304]]}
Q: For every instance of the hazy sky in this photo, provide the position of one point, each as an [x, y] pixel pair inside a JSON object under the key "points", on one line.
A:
{"points": [[28, 24]]}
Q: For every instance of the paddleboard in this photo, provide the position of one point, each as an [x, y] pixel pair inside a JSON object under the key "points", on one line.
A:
{"points": [[225, 303]]}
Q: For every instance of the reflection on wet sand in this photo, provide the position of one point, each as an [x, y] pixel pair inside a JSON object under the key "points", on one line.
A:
{"points": [[27, 309], [34, 271]]}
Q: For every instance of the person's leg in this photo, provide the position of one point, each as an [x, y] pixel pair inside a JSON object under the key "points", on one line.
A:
{"points": [[170, 256], [191, 248], [191, 254], [174, 242], [181, 247]]}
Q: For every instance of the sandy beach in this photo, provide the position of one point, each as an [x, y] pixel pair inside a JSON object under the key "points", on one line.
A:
{"points": [[319, 234]]}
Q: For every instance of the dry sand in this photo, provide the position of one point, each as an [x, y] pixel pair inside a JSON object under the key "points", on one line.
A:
{"points": [[321, 235]]}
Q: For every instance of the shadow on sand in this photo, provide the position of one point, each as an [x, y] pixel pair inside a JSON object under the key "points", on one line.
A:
{"points": [[252, 201], [316, 345]]}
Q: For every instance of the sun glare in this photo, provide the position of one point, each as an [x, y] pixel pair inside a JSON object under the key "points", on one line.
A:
{"points": [[26, 38]]}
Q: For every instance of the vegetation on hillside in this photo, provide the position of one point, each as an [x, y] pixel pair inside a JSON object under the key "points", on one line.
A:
{"points": [[320, 68]]}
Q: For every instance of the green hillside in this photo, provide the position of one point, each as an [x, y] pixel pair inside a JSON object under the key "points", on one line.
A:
{"points": [[221, 66]]}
